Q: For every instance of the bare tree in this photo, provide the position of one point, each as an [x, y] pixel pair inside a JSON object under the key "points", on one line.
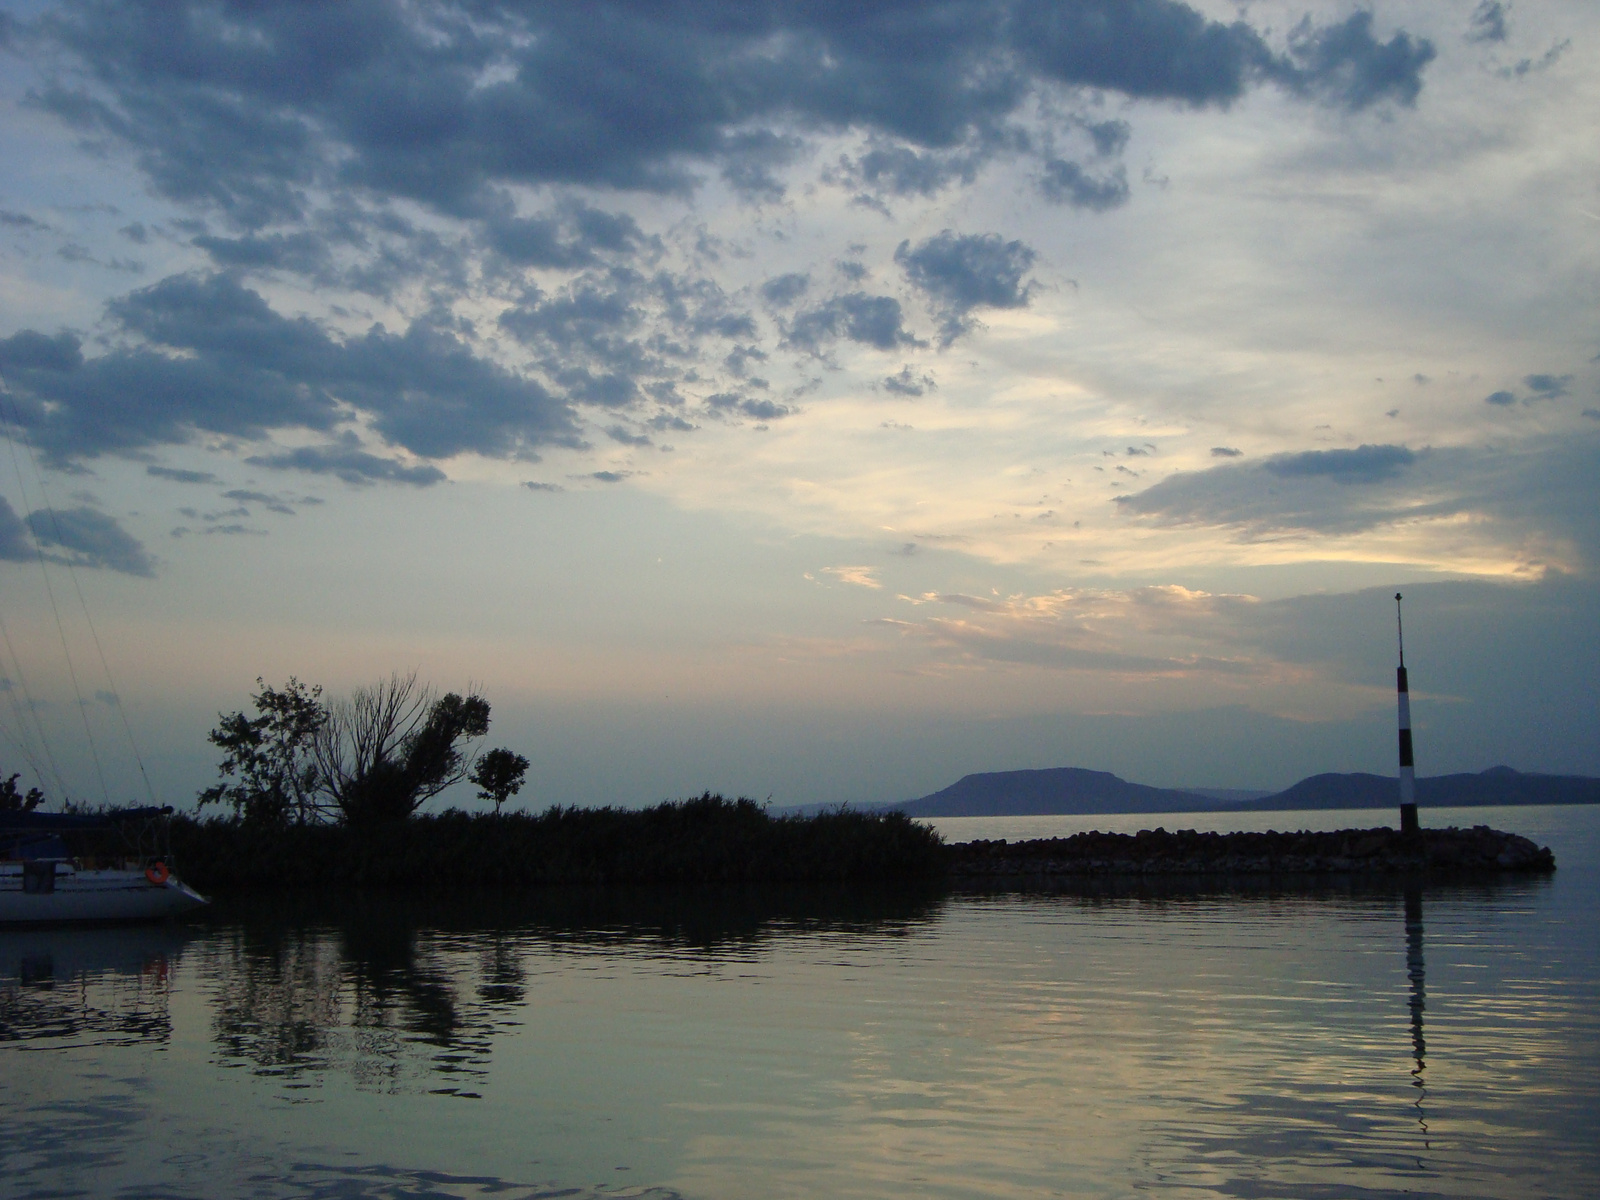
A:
{"points": [[395, 745]]}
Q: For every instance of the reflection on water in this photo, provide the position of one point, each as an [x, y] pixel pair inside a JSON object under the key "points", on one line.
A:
{"points": [[1416, 972], [86, 987], [1267, 1042]]}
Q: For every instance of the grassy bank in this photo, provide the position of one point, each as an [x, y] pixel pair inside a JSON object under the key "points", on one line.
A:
{"points": [[708, 841]]}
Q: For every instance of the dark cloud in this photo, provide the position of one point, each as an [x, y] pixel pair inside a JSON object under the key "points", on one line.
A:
{"points": [[1226, 452], [18, 220], [533, 485], [14, 545], [578, 236], [88, 537], [871, 320], [627, 437], [1324, 491], [1503, 399], [1109, 137], [249, 109], [761, 410], [1548, 387], [179, 475], [961, 273], [610, 476], [1345, 65], [1488, 22], [903, 171], [1544, 490], [1365, 464], [785, 289], [345, 461], [269, 502], [1065, 182], [905, 383], [215, 358]]}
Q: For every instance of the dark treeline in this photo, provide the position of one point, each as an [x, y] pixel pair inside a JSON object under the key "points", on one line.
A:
{"points": [[706, 841]]}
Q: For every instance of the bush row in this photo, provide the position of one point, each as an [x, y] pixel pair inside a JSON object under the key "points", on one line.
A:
{"points": [[706, 841]]}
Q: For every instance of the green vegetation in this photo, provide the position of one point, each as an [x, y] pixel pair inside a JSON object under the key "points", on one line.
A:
{"points": [[367, 761], [705, 841]]}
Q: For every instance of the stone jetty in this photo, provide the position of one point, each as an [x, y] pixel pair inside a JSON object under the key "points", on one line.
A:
{"points": [[1156, 852]]}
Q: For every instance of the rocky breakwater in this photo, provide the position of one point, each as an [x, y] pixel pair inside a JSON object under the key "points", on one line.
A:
{"points": [[1156, 852]]}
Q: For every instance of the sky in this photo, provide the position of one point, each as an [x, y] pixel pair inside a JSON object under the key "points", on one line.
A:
{"points": [[809, 401]]}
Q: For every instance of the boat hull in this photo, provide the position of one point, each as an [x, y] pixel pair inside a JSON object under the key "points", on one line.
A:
{"points": [[84, 896]]}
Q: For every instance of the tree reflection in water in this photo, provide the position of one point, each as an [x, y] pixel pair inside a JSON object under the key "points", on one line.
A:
{"points": [[401, 992]]}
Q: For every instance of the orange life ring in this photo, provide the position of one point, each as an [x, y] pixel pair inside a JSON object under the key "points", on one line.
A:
{"points": [[157, 873]]}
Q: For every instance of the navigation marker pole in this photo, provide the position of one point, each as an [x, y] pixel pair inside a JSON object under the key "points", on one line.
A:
{"points": [[1408, 772]]}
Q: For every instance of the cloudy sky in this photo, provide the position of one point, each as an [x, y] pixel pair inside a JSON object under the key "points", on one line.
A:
{"points": [[813, 401]]}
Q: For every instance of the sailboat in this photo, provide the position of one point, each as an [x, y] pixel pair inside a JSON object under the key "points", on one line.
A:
{"points": [[65, 868], [77, 866]]}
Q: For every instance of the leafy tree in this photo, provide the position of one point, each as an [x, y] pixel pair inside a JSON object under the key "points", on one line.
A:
{"points": [[13, 801], [498, 776], [268, 758], [391, 747]]}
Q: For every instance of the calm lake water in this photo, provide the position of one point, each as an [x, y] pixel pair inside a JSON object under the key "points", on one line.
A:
{"points": [[1328, 1042]]}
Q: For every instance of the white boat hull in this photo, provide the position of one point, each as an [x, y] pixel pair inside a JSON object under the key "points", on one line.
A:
{"points": [[93, 895]]}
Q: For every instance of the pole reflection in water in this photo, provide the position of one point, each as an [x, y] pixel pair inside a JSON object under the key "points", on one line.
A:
{"points": [[1416, 973]]}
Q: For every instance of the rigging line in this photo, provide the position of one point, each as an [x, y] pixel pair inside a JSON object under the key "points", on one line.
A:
{"points": [[50, 591], [32, 709], [94, 635], [22, 723]]}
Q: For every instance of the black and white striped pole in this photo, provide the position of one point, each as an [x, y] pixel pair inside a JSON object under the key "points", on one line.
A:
{"points": [[1408, 771]]}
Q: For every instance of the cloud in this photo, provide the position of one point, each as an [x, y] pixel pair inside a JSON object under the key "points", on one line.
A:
{"points": [[252, 110], [1325, 491], [871, 320], [1537, 499], [610, 476], [784, 290], [855, 576], [19, 220], [904, 383], [1226, 452], [269, 502], [1488, 22], [1159, 632], [1548, 387], [14, 545], [577, 236], [180, 475], [215, 358], [761, 410], [1346, 66], [1064, 182], [961, 273], [344, 460], [91, 538], [1365, 464], [533, 485], [1502, 399]]}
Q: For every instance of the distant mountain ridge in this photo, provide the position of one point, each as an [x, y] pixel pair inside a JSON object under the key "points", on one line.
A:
{"points": [[1053, 790], [1075, 791]]}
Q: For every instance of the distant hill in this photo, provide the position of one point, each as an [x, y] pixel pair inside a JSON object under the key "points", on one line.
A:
{"points": [[1074, 791], [1497, 785], [1055, 790]]}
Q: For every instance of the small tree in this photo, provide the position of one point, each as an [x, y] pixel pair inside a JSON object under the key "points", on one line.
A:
{"points": [[498, 776], [13, 801], [392, 747], [269, 756]]}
